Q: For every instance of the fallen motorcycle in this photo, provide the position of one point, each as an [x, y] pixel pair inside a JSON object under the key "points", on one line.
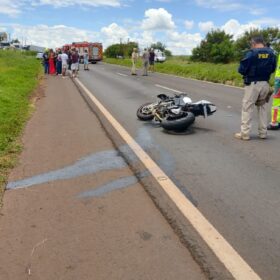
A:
{"points": [[175, 113]]}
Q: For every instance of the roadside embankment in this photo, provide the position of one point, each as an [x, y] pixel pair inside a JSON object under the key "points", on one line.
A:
{"points": [[19, 76]]}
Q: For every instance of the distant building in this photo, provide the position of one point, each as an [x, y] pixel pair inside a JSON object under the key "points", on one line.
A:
{"points": [[3, 36]]}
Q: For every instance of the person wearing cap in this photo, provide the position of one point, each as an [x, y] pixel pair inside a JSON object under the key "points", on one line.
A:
{"points": [[256, 67], [275, 110], [134, 57]]}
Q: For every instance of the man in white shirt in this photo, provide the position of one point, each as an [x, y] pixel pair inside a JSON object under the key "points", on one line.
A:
{"points": [[64, 59]]}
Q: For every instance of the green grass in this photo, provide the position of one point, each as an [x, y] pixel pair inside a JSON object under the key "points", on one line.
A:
{"points": [[19, 76]]}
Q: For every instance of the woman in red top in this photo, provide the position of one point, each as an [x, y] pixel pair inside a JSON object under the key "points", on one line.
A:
{"points": [[52, 69]]}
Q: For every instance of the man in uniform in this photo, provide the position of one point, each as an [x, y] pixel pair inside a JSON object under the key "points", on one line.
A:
{"points": [[275, 110], [256, 68], [134, 57]]}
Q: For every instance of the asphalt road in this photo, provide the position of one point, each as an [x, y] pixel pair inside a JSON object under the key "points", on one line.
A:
{"points": [[235, 184]]}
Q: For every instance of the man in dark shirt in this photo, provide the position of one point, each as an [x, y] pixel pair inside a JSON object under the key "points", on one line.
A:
{"points": [[152, 60], [46, 62], [256, 68]]}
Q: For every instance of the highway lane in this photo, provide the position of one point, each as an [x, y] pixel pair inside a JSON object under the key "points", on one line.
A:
{"points": [[235, 184]]}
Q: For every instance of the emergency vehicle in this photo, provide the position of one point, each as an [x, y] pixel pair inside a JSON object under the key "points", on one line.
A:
{"points": [[95, 50]]}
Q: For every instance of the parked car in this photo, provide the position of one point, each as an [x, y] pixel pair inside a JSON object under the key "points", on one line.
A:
{"points": [[4, 45], [39, 55]]}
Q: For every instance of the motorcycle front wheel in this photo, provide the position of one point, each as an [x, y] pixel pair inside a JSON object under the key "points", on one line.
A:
{"points": [[180, 123], [145, 112]]}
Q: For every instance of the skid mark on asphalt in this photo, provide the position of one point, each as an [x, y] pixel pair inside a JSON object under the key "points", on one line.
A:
{"points": [[106, 160], [118, 184]]}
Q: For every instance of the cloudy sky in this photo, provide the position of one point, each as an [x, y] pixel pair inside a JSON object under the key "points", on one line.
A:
{"points": [[179, 24]]}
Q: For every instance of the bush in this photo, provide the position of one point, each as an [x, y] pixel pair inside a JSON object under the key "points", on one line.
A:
{"points": [[216, 48]]}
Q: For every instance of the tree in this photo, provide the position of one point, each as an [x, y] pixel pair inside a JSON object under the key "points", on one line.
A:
{"points": [[217, 47], [113, 51], [158, 46], [167, 53], [271, 36], [15, 41], [123, 50]]}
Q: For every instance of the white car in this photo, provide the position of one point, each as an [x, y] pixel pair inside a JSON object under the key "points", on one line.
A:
{"points": [[159, 56], [39, 55]]}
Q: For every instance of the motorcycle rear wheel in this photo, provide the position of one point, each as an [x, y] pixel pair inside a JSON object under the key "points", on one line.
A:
{"points": [[178, 124]]}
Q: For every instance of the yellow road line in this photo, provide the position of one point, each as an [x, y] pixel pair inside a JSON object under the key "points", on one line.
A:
{"points": [[235, 264]]}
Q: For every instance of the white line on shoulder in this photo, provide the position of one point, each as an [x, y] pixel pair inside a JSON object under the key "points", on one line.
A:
{"points": [[121, 74], [171, 89]]}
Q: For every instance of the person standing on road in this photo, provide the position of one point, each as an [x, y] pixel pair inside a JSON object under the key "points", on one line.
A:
{"points": [[275, 110], [152, 60], [86, 57], [134, 57], [58, 63], [145, 61], [257, 66], [75, 63], [46, 61], [64, 62], [52, 69]]}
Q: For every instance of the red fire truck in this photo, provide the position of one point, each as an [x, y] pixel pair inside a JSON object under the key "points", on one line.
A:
{"points": [[95, 50]]}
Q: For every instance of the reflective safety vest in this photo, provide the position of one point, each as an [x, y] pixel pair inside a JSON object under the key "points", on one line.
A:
{"points": [[277, 73]]}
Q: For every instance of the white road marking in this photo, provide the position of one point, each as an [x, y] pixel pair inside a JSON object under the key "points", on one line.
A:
{"points": [[235, 264], [121, 74], [171, 89]]}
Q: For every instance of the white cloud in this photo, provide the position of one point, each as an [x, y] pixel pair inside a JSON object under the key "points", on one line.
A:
{"points": [[13, 8], [65, 3], [182, 43], [233, 27], [113, 33], [222, 5], [271, 22], [51, 36], [231, 5], [189, 24], [10, 8], [157, 19], [206, 26]]}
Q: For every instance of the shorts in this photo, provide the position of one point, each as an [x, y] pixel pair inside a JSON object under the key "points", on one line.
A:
{"points": [[152, 62], [74, 66], [64, 65], [85, 61]]}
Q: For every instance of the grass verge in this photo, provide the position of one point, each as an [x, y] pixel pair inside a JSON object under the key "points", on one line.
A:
{"points": [[19, 76]]}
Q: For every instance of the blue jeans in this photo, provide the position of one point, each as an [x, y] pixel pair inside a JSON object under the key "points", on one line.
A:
{"points": [[58, 67], [46, 66]]}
